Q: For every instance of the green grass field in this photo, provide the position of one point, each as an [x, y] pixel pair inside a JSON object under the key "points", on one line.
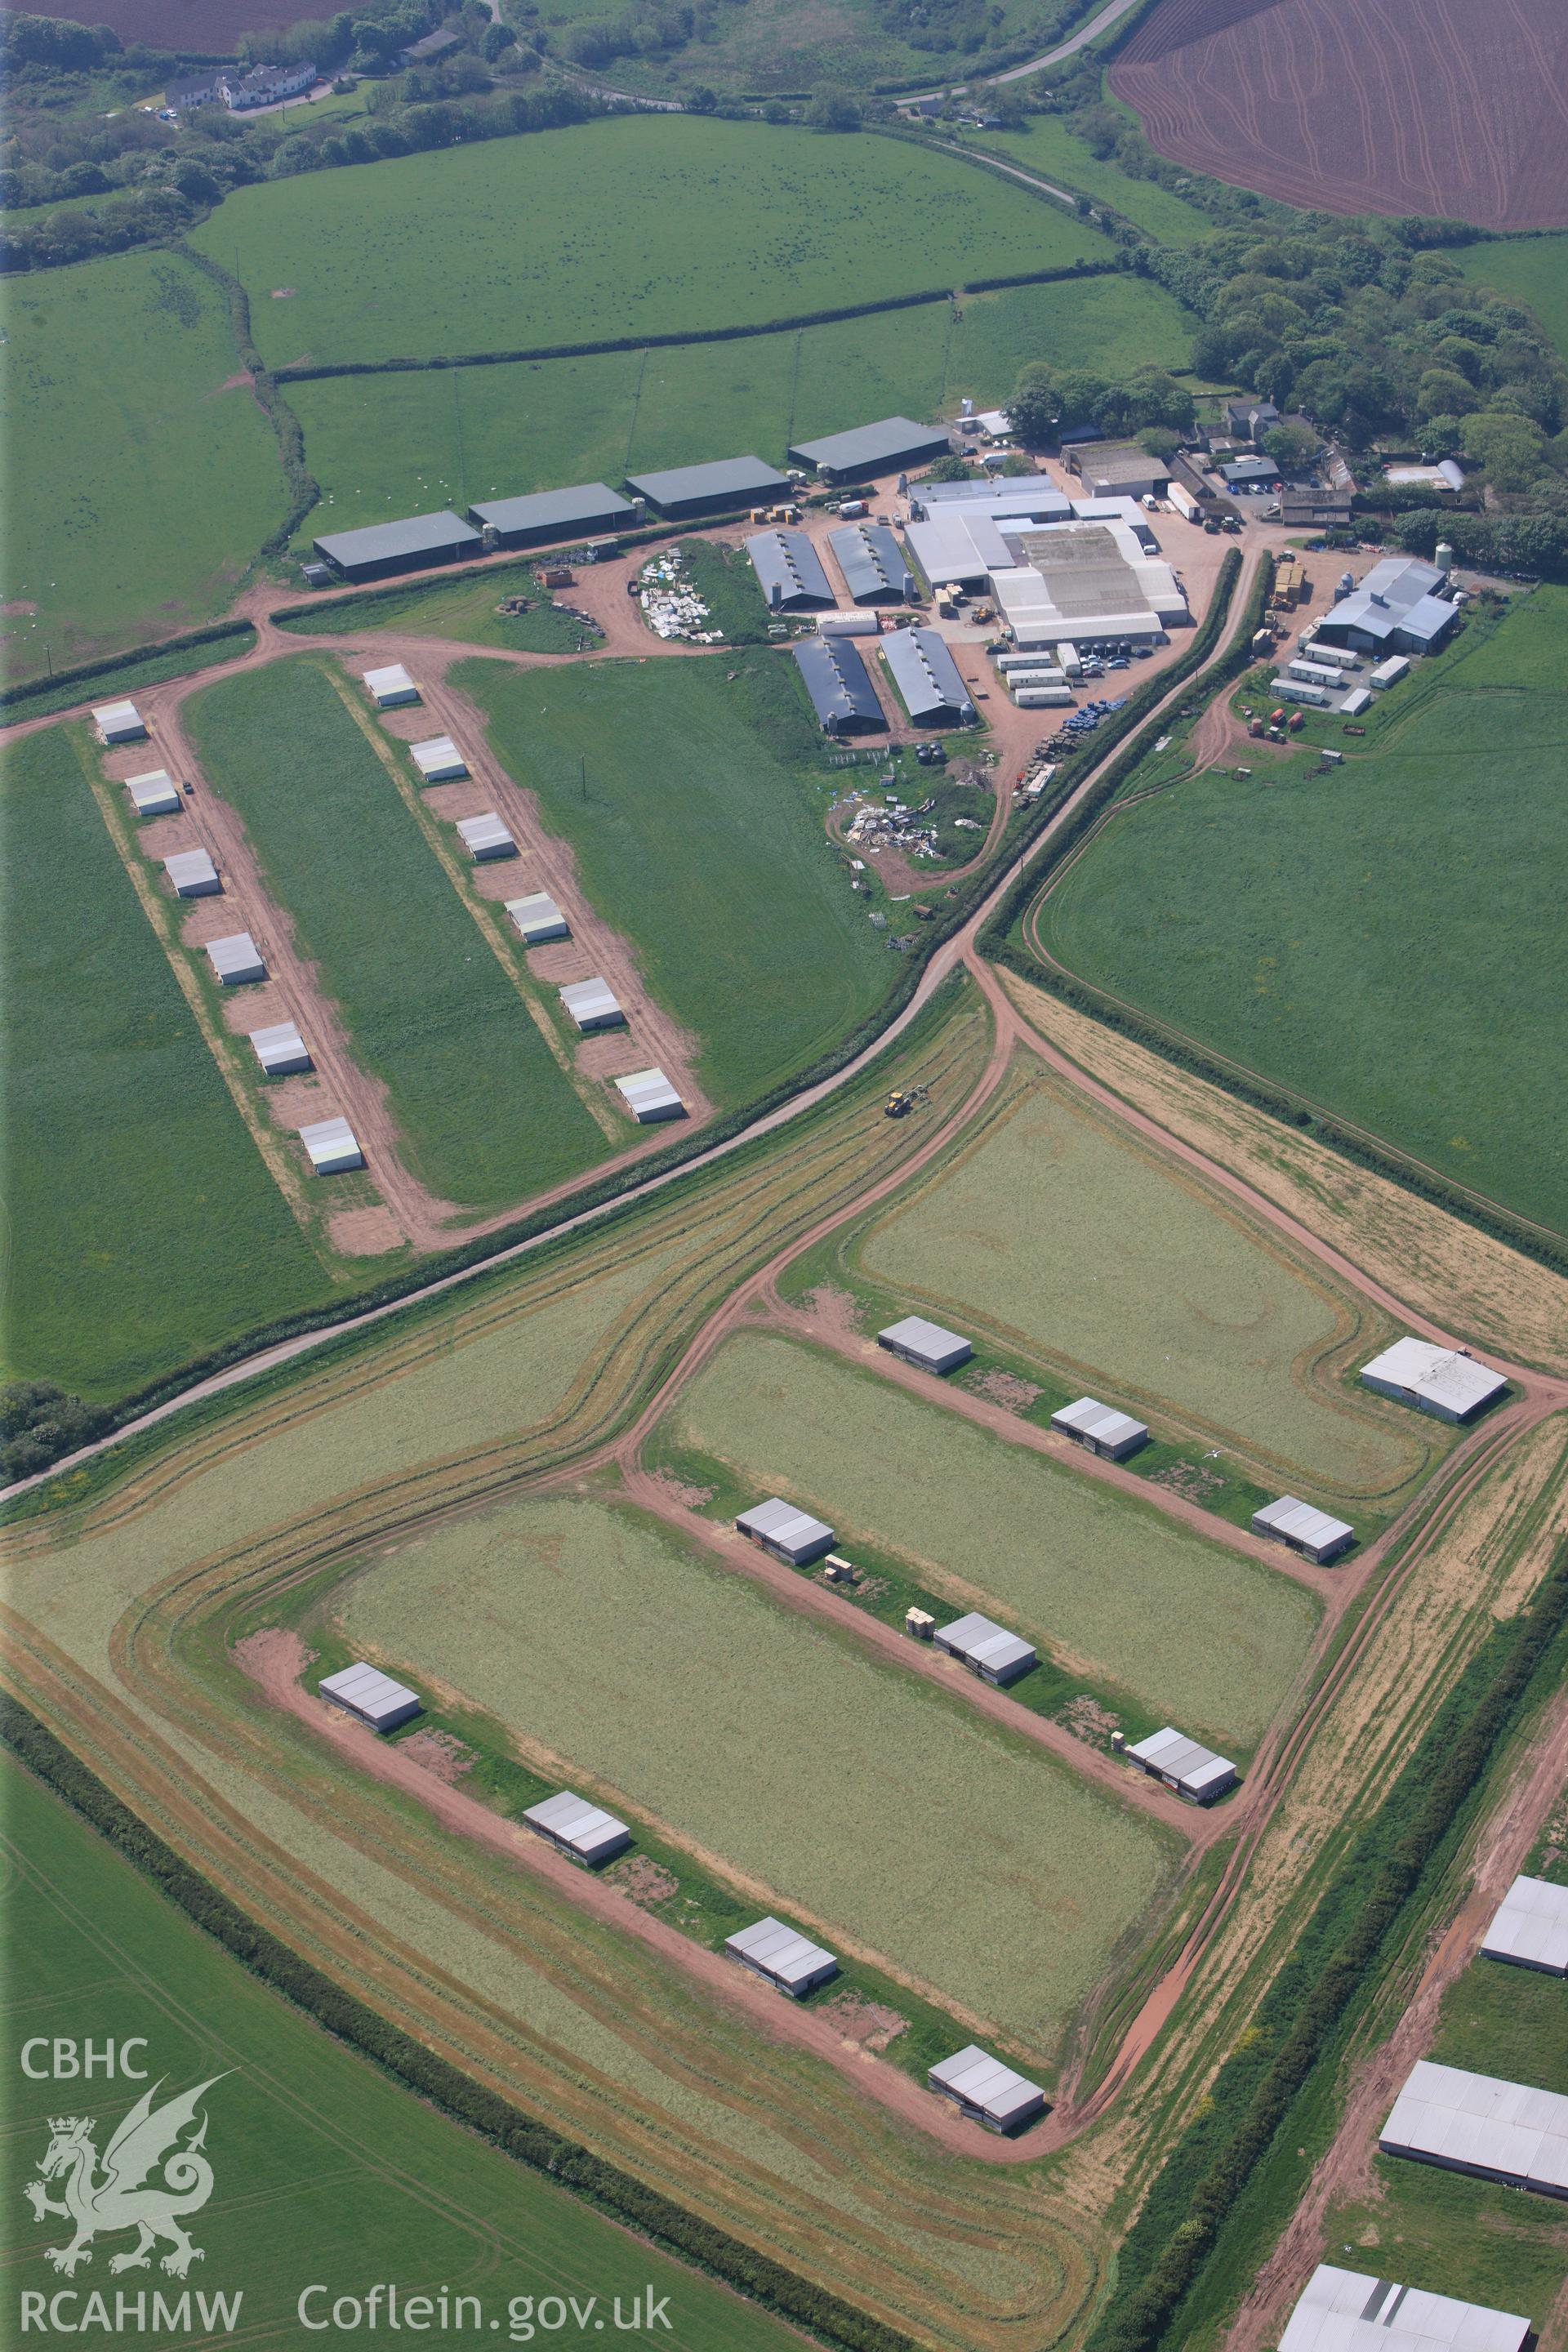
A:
{"points": [[1199, 1635], [142, 1225], [1385, 936], [1070, 1240], [324, 2170], [1529, 270], [464, 608], [486, 1115], [716, 224], [689, 1717], [139, 491], [1048, 147], [388, 445], [700, 838]]}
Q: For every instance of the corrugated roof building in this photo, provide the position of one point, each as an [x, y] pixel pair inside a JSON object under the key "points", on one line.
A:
{"points": [[439, 762], [1477, 2124], [1443, 1381], [925, 1344], [280, 1049], [235, 959], [698, 490], [789, 570], [119, 722], [537, 918], [872, 562], [192, 875], [927, 679], [981, 2087], [839, 685], [486, 837], [1194, 1771], [585, 511], [592, 1004], [892, 442], [1397, 610], [365, 1691], [390, 687], [411, 544], [332, 1145], [153, 794], [1347, 2311], [786, 1531], [986, 1649], [1530, 1927], [648, 1096], [1311, 1532], [790, 1961], [579, 1828], [1102, 1429]]}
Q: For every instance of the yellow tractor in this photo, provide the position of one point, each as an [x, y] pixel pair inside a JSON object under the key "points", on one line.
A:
{"points": [[904, 1100]]}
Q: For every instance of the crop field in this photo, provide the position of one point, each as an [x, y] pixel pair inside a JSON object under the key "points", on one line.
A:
{"points": [[324, 2170], [685, 1722], [423, 255], [1531, 271], [1461, 114], [700, 837], [145, 489], [385, 445], [1418, 883], [1045, 145], [1199, 1634], [149, 1227], [487, 1117], [1070, 1239]]}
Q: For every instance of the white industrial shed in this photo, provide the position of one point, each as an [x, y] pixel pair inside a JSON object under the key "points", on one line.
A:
{"points": [[789, 1960], [373, 1696], [648, 1096], [1444, 1381], [1530, 1927], [439, 762], [925, 1344], [583, 1831], [981, 2087], [119, 722], [1101, 1428], [1474, 2123], [486, 837], [332, 1145], [235, 959], [155, 795], [537, 918], [192, 875], [1311, 1532], [591, 1004], [786, 1531], [280, 1049], [1347, 2311], [986, 1649], [387, 687], [1192, 1771]]}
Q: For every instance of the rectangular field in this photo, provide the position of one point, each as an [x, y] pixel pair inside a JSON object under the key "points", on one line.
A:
{"points": [[1199, 1634], [700, 837], [1531, 271], [593, 1634], [1048, 147], [486, 1115], [143, 1225], [1067, 1237], [1416, 887], [139, 491]]}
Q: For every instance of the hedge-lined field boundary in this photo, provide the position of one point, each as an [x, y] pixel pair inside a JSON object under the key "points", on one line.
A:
{"points": [[507, 2126], [304, 487], [25, 701]]}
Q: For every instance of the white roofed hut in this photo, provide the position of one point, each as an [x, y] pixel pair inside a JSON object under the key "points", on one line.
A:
{"points": [[986, 1649], [537, 918], [332, 1145], [925, 1345], [235, 959], [1348, 2311], [1194, 1771], [1102, 1429], [280, 1050], [648, 1096], [155, 795], [577, 1827], [119, 722], [486, 837], [788, 1961], [787, 1532], [390, 687], [988, 2093], [439, 762], [1444, 1381], [1530, 1927], [593, 1004], [1311, 1532], [192, 875], [365, 1691], [1477, 2124]]}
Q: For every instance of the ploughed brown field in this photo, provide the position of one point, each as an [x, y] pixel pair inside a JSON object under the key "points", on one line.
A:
{"points": [[1393, 106], [201, 28]]}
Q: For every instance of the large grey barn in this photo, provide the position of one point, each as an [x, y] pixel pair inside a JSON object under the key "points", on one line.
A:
{"points": [[839, 685], [878, 449], [412, 545], [581, 513], [1397, 610], [789, 570], [872, 562], [698, 490], [1475, 2123], [927, 677]]}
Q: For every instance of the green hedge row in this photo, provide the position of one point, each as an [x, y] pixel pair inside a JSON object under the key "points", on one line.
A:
{"points": [[25, 700], [1359, 1918], [304, 487], [509, 2127]]}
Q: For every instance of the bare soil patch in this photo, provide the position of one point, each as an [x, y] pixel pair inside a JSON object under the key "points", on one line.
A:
{"points": [[440, 1752], [1187, 1479], [870, 2024], [363, 1233], [682, 1491], [642, 1881], [837, 1311], [1087, 1720], [1005, 1388]]}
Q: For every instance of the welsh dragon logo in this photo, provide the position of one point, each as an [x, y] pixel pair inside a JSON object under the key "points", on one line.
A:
{"points": [[149, 2182]]}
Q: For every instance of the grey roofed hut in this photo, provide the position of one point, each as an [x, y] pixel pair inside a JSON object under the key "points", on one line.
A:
{"points": [[877, 448], [1102, 1429], [925, 1344], [648, 1096], [332, 1145], [872, 562], [579, 1828], [119, 722], [1530, 1927], [786, 1531], [726, 482], [1311, 1532], [486, 837], [789, 1960], [927, 677], [1349, 2311], [236, 959], [1194, 1771], [593, 1004], [1444, 1381], [192, 875], [586, 508], [789, 570], [365, 1691], [537, 918], [390, 686], [1479, 2124], [155, 795], [280, 1049], [981, 2087], [439, 760], [411, 544], [839, 685], [987, 1649]]}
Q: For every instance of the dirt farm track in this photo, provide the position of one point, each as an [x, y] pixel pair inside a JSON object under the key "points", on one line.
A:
{"points": [[1397, 106]]}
